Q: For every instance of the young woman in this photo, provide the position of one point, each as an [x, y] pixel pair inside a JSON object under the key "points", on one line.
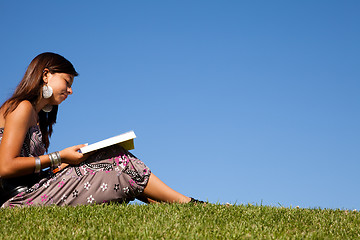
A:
{"points": [[71, 178]]}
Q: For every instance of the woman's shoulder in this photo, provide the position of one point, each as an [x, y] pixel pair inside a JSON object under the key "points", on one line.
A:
{"points": [[24, 111], [24, 108], [25, 103]]}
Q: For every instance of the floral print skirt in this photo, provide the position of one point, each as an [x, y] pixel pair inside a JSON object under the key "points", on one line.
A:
{"points": [[110, 175]]}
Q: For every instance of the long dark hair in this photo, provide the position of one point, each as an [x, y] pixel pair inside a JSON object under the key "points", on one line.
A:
{"points": [[30, 88]]}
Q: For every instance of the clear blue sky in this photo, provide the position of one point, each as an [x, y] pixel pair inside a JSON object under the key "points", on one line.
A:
{"points": [[232, 101]]}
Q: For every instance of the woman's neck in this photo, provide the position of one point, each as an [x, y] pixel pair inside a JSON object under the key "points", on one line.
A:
{"points": [[41, 104]]}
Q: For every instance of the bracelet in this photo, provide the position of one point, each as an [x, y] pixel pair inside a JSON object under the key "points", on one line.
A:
{"points": [[51, 160], [55, 159], [58, 157], [37, 165]]}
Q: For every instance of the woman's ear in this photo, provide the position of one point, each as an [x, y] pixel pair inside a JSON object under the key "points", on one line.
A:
{"points": [[45, 75]]}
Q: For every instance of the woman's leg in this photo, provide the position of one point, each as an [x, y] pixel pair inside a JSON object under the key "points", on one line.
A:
{"points": [[157, 190]]}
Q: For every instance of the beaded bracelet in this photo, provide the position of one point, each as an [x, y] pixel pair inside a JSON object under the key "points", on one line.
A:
{"points": [[37, 165]]}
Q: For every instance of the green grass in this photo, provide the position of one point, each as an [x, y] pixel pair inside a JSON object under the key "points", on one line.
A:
{"points": [[175, 221]]}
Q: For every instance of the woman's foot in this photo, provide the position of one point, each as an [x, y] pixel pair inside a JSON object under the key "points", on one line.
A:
{"points": [[193, 200]]}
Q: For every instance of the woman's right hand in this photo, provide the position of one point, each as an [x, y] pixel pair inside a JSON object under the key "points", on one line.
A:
{"points": [[72, 155]]}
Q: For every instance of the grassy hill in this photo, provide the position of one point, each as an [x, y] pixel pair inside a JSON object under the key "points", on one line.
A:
{"points": [[175, 221]]}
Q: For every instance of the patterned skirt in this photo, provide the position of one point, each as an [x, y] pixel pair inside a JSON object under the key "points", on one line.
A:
{"points": [[109, 175]]}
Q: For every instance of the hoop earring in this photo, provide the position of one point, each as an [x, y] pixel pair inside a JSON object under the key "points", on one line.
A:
{"points": [[47, 91], [47, 108]]}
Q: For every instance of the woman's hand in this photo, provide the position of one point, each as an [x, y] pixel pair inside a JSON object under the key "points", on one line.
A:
{"points": [[72, 155]]}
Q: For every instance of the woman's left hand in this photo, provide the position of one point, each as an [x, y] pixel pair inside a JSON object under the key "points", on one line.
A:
{"points": [[72, 155]]}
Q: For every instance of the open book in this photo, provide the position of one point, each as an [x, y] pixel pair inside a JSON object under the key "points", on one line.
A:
{"points": [[126, 140]]}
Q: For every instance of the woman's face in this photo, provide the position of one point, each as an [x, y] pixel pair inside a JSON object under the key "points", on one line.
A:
{"points": [[61, 84]]}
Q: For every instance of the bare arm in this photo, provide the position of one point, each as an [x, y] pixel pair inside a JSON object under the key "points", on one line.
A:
{"points": [[16, 126]]}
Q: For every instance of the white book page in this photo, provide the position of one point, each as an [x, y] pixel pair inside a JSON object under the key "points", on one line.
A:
{"points": [[126, 138]]}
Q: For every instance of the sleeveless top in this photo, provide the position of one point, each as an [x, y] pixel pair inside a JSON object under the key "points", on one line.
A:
{"points": [[32, 147]]}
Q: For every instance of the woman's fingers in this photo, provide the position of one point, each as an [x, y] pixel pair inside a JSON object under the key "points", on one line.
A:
{"points": [[77, 147]]}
